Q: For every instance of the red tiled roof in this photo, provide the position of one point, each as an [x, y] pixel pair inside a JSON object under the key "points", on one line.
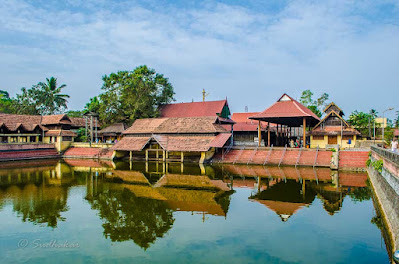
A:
{"points": [[189, 143], [60, 132], [183, 125], [81, 122], [131, 143], [194, 109], [243, 123], [286, 107], [55, 119], [334, 130], [13, 122], [220, 140], [396, 132]]}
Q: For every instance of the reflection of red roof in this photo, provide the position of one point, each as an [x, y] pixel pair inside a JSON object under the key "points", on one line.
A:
{"points": [[286, 107], [282, 208], [194, 109]]}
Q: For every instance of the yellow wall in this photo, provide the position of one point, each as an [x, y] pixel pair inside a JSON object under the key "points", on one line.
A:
{"points": [[324, 142]]}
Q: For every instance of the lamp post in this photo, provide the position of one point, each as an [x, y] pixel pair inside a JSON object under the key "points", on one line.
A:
{"points": [[384, 123]]}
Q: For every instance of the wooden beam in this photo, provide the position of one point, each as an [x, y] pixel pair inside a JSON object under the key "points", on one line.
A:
{"points": [[268, 134], [304, 132]]}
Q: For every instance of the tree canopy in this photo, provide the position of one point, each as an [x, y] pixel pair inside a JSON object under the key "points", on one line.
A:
{"points": [[129, 95], [316, 106]]}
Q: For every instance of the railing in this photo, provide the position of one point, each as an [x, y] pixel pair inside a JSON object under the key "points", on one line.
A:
{"points": [[392, 156], [253, 155], [315, 159], [268, 155], [239, 154], [299, 157], [90, 145], [282, 157], [228, 149]]}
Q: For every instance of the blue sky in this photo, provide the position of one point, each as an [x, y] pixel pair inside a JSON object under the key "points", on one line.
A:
{"points": [[250, 51]]}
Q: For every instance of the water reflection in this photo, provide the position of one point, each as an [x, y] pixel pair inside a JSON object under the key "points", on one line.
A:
{"points": [[137, 202]]}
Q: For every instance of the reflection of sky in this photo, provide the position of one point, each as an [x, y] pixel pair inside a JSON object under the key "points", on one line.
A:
{"points": [[250, 233]]}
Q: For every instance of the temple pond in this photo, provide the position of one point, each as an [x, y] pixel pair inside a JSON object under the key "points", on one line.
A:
{"points": [[83, 211]]}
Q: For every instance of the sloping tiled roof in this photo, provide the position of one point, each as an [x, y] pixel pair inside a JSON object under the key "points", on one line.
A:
{"points": [[194, 109], [183, 125], [55, 119], [334, 130], [243, 123], [131, 143], [60, 132], [220, 140], [81, 122], [289, 109], [396, 132], [189, 143], [116, 128], [13, 122]]}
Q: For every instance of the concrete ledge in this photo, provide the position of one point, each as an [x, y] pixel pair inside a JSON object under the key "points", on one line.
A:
{"points": [[388, 201]]}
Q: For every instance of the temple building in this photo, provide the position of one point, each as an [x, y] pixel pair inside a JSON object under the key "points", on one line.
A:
{"points": [[37, 129], [112, 133], [173, 139], [290, 118], [246, 130], [333, 130]]}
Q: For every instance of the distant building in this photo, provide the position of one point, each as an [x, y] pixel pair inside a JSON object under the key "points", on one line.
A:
{"points": [[246, 130], [36, 129], [173, 139], [333, 130], [112, 132]]}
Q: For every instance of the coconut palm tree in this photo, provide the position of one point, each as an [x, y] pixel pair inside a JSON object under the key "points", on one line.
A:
{"points": [[49, 97]]}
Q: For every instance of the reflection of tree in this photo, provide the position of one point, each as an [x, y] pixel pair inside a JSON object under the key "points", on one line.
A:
{"points": [[41, 205], [129, 217], [360, 194]]}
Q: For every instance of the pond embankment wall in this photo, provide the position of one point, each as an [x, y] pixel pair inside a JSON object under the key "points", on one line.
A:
{"points": [[385, 184]]}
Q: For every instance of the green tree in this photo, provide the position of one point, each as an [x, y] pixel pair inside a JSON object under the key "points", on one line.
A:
{"points": [[75, 113], [129, 95], [316, 106], [396, 124], [93, 106], [49, 98], [6, 103], [25, 102], [362, 121]]}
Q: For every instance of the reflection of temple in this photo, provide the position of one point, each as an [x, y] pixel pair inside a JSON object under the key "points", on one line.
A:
{"points": [[134, 209], [285, 190]]}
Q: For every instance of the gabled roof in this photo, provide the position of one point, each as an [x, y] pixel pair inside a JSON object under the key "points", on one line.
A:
{"points": [[116, 128], [193, 109], [331, 113], [131, 143], [334, 130], [287, 111], [81, 122], [333, 104], [55, 119], [182, 125], [243, 123]]}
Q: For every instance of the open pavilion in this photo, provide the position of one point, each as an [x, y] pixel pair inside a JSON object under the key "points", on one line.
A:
{"points": [[287, 113]]}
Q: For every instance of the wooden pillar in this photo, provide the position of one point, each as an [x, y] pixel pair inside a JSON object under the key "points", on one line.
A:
{"points": [[304, 132], [202, 157], [181, 156], [164, 155], [268, 134], [146, 154], [37, 138], [259, 134], [277, 135], [157, 154], [130, 155]]}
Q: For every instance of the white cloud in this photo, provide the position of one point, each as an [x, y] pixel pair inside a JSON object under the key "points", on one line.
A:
{"points": [[342, 47]]}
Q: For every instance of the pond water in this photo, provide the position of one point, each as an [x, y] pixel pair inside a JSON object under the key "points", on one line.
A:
{"points": [[83, 211]]}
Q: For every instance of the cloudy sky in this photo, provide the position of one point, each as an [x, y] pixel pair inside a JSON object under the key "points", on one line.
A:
{"points": [[250, 51]]}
